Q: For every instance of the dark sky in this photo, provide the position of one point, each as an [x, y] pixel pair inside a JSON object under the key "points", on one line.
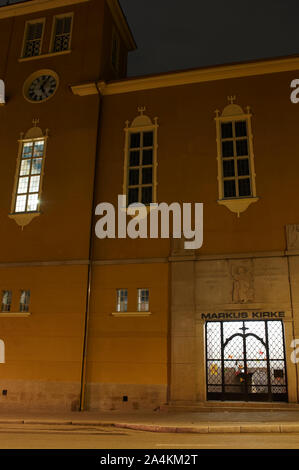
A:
{"points": [[181, 34]]}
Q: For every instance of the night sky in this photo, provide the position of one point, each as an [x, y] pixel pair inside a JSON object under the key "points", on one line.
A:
{"points": [[182, 34]]}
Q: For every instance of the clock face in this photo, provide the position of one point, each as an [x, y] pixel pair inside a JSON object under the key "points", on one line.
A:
{"points": [[41, 88]]}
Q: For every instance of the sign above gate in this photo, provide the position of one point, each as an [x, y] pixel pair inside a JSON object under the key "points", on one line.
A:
{"points": [[243, 315]]}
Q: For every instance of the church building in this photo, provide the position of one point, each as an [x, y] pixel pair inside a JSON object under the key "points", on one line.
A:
{"points": [[133, 324]]}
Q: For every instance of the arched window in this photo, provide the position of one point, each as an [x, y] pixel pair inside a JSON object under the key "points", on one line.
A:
{"points": [[236, 174], [2, 92], [26, 198], [140, 175]]}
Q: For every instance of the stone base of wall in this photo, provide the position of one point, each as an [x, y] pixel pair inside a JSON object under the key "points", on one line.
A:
{"points": [[39, 395], [111, 397]]}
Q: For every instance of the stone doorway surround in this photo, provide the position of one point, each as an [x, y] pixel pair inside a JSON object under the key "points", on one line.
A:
{"points": [[227, 283]]}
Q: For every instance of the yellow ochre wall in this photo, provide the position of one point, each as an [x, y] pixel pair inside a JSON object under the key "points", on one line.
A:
{"points": [[43, 351]]}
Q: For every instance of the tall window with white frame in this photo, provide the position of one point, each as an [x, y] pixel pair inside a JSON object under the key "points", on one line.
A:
{"points": [[122, 300], [33, 38], [143, 300], [236, 173], [29, 177], [62, 33], [141, 160], [6, 300]]}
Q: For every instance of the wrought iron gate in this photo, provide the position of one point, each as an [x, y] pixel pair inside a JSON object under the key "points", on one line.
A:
{"points": [[245, 361]]}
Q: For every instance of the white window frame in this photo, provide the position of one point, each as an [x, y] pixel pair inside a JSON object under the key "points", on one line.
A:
{"points": [[234, 113], [6, 307], [24, 306], [122, 300], [34, 135], [141, 124], [141, 302]]}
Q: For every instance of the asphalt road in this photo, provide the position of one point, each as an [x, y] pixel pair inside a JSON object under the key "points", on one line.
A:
{"points": [[84, 437]]}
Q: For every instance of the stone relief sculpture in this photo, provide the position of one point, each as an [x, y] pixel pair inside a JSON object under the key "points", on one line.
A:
{"points": [[293, 237], [242, 284]]}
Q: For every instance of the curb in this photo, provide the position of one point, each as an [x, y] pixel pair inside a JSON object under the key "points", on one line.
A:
{"points": [[231, 428], [217, 429]]}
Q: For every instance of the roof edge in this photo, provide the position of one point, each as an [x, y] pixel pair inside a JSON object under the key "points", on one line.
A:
{"points": [[122, 23]]}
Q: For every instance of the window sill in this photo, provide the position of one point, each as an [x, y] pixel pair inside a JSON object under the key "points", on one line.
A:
{"points": [[44, 56], [15, 314], [238, 205], [22, 218], [131, 314]]}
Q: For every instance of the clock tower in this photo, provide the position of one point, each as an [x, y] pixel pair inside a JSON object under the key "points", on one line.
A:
{"points": [[49, 138]]}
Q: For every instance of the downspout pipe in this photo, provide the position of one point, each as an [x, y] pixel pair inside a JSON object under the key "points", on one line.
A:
{"points": [[90, 260]]}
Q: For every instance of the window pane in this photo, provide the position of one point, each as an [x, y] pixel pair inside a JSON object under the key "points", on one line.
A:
{"points": [[242, 147], [24, 301], [6, 300], [134, 158], [243, 167], [36, 166], [135, 141], [244, 187], [133, 177], [122, 300], [27, 150], [240, 128], [228, 168], [21, 203], [23, 185], [143, 300], [147, 158], [32, 202], [34, 184], [228, 149], [38, 148], [133, 195], [25, 167], [147, 175], [146, 195], [229, 188], [226, 130], [148, 139]]}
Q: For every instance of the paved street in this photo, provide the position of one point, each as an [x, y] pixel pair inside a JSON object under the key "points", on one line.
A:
{"points": [[106, 437]]}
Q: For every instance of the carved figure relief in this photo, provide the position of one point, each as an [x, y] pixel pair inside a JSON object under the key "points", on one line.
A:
{"points": [[243, 291]]}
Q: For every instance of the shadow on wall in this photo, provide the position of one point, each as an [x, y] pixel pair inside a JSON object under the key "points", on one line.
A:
{"points": [[2, 352]]}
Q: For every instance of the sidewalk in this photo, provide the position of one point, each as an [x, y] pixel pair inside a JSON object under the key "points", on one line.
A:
{"points": [[167, 422]]}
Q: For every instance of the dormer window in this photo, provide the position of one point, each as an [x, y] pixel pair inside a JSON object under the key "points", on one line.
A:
{"points": [[236, 175]]}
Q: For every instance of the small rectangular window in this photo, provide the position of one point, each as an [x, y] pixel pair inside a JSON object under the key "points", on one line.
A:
{"points": [[143, 300], [24, 301], [122, 300], [6, 300], [62, 33], [33, 38]]}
